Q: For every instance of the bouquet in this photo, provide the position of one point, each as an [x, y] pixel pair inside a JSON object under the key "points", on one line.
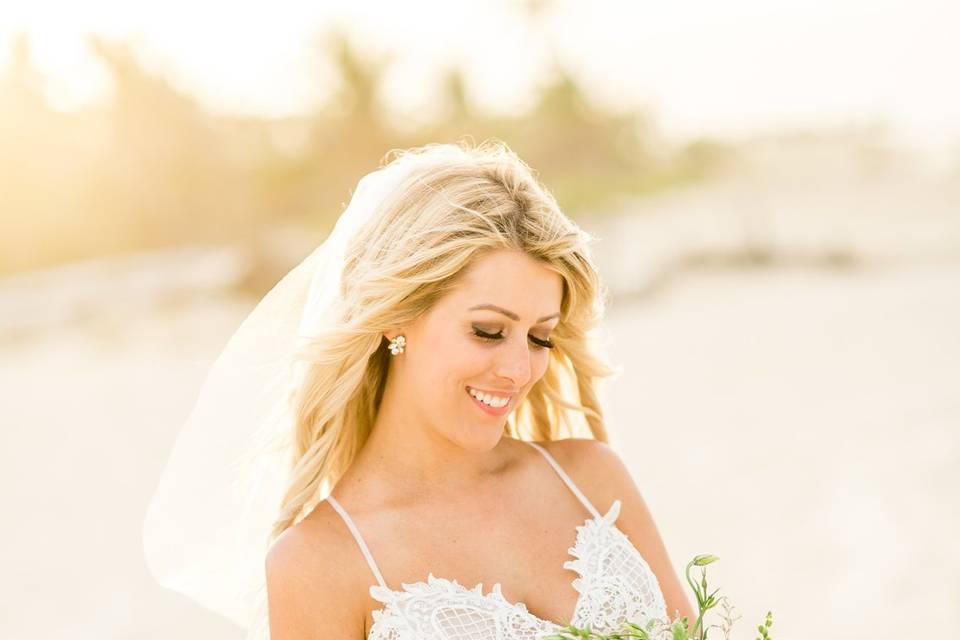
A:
{"points": [[679, 628]]}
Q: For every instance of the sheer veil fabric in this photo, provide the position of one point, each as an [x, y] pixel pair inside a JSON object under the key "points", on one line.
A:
{"points": [[206, 529]]}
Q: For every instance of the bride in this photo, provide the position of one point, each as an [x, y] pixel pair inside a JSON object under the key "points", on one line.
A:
{"points": [[442, 352]]}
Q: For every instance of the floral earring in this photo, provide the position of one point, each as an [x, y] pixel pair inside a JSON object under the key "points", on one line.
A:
{"points": [[397, 344]]}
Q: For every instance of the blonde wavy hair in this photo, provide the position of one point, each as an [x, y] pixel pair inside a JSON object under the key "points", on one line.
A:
{"points": [[459, 203]]}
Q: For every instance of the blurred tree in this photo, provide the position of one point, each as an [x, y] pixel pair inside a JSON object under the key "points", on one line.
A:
{"points": [[454, 89], [150, 167], [21, 86], [33, 165], [166, 169]]}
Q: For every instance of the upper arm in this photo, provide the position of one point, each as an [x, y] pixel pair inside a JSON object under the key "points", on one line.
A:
{"points": [[603, 476], [309, 594]]}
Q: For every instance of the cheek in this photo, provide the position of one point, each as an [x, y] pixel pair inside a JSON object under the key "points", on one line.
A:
{"points": [[539, 366], [451, 359], [467, 358]]}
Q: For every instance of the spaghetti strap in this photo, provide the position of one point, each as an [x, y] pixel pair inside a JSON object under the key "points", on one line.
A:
{"points": [[359, 538], [563, 474]]}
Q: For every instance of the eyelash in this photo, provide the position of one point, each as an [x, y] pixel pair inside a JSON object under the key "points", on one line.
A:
{"points": [[492, 337]]}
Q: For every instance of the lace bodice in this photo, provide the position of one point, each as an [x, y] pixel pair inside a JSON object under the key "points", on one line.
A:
{"points": [[615, 584]]}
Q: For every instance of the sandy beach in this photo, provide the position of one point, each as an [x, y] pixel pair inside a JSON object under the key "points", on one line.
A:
{"points": [[798, 416]]}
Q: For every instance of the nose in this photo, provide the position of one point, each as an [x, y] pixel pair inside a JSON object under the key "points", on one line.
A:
{"points": [[514, 363]]}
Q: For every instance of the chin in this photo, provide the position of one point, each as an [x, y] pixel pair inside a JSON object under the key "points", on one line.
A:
{"points": [[481, 438]]}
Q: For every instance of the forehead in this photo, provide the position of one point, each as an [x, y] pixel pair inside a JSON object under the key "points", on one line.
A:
{"points": [[514, 280]]}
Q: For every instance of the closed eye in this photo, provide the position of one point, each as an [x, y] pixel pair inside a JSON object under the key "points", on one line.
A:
{"points": [[493, 337]]}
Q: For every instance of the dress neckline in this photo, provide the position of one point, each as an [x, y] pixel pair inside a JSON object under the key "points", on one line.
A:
{"points": [[437, 585]]}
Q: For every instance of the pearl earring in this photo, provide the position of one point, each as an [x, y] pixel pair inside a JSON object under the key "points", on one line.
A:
{"points": [[397, 344]]}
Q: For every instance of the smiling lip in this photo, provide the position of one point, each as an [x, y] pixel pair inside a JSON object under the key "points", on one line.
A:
{"points": [[495, 411], [494, 392]]}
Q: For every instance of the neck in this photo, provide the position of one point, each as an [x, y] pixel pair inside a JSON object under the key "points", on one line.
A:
{"points": [[406, 457]]}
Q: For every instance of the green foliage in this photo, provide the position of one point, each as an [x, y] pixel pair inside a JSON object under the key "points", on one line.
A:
{"points": [[767, 623], [679, 628]]}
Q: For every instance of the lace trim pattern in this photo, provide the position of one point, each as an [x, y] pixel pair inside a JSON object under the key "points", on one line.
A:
{"points": [[614, 582]]}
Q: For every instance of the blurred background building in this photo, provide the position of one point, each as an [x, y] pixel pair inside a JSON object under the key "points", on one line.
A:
{"points": [[776, 191]]}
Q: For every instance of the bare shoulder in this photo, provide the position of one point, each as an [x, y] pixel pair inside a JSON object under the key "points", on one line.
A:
{"points": [[313, 589], [601, 473], [595, 467]]}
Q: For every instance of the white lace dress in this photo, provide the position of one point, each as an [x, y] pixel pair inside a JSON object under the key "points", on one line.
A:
{"points": [[614, 582]]}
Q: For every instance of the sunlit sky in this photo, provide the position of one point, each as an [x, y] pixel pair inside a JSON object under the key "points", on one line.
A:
{"points": [[703, 67]]}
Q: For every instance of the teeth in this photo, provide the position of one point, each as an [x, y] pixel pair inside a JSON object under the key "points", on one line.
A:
{"points": [[486, 398]]}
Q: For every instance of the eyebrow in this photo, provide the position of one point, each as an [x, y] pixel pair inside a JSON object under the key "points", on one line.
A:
{"points": [[509, 314]]}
